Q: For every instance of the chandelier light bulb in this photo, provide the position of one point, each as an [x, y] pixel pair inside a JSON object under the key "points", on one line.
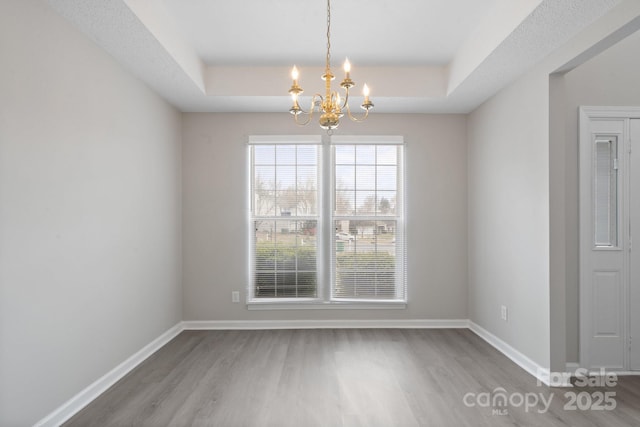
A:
{"points": [[347, 66], [294, 73], [365, 91]]}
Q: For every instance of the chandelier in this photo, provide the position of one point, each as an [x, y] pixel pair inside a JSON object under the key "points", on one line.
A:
{"points": [[330, 106]]}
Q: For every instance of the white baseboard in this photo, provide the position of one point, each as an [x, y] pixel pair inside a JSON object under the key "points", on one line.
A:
{"points": [[539, 372], [86, 396], [324, 324]]}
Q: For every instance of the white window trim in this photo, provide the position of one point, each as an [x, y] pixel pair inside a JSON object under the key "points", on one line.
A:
{"points": [[324, 257], [367, 140]]}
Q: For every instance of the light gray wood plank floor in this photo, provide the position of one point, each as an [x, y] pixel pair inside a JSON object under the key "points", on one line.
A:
{"points": [[346, 377]]}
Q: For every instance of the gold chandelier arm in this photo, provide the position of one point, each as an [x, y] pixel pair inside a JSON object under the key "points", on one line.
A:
{"points": [[354, 117], [306, 122], [345, 104], [315, 100]]}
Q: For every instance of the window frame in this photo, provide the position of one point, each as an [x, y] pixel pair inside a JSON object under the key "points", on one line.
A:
{"points": [[326, 236]]}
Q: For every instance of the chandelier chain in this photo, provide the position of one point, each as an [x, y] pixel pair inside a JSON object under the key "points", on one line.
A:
{"points": [[328, 34]]}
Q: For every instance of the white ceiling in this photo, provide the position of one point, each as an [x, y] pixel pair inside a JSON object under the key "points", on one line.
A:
{"points": [[281, 32], [416, 55]]}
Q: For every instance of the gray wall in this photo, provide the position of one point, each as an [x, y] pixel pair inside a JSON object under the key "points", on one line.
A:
{"points": [[508, 216], [215, 213], [89, 213], [609, 79]]}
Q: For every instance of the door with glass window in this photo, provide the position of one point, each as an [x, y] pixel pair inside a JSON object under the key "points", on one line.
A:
{"points": [[609, 219]]}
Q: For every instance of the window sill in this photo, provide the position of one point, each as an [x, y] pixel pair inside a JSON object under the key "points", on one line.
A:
{"points": [[322, 305]]}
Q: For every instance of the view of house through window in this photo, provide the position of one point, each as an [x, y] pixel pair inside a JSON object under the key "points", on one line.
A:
{"points": [[360, 228]]}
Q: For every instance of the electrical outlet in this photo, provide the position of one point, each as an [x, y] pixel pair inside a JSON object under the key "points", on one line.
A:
{"points": [[235, 296], [503, 312]]}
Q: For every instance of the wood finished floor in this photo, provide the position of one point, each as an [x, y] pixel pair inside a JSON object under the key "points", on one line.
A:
{"points": [[341, 377]]}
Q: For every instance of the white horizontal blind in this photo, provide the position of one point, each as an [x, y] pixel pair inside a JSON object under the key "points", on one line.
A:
{"points": [[368, 256], [285, 215], [606, 192]]}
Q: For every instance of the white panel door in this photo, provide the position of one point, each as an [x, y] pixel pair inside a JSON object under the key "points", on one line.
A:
{"points": [[610, 238], [634, 282], [602, 244]]}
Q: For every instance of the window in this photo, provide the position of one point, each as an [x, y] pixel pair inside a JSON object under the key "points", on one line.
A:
{"points": [[284, 218], [337, 247], [367, 208], [606, 192]]}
